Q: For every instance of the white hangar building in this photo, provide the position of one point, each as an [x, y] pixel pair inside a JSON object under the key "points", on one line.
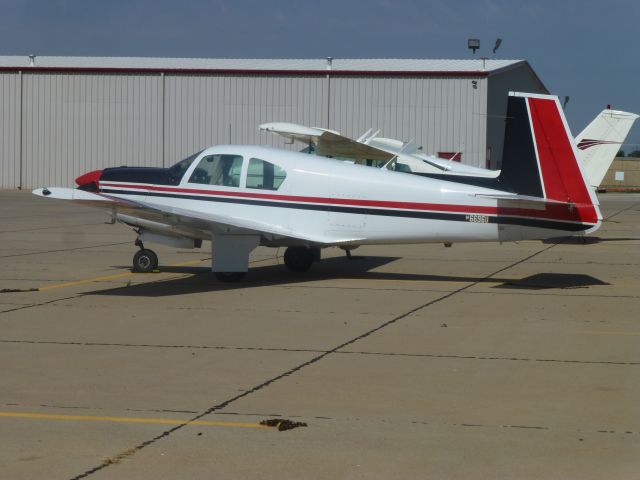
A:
{"points": [[63, 116]]}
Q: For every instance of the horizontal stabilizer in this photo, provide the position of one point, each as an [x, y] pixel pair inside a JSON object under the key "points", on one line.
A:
{"points": [[521, 199]]}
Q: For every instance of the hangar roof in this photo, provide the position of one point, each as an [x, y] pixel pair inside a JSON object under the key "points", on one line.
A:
{"points": [[382, 66]]}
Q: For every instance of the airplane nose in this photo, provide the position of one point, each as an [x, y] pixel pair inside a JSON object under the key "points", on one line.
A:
{"points": [[89, 181]]}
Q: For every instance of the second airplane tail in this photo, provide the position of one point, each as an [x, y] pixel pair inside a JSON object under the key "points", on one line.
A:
{"points": [[601, 140]]}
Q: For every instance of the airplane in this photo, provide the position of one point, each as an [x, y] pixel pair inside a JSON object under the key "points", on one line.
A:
{"points": [[598, 145], [240, 197]]}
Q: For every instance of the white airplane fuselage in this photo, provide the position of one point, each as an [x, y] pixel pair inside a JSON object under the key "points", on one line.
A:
{"points": [[352, 204]]}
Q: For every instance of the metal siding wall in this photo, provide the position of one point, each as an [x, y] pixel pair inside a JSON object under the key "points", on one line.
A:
{"points": [[75, 123], [9, 130], [519, 79], [480, 116], [439, 114], [201, 111]]}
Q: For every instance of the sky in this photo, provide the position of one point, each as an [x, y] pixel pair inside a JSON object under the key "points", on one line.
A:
{"points": [[585, 49]]}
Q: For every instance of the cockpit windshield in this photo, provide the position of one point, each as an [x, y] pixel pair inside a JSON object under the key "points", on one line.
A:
{"points": [[178, 170]]}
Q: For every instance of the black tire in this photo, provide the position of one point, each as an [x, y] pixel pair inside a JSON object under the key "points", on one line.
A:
{"points": [[298, 259], [230, 276], [145, 261]]}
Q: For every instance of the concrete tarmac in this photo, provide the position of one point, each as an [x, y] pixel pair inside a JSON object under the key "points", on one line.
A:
{"points": [[479, 361]]}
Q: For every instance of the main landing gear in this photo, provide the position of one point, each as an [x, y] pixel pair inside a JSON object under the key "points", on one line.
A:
{"points": [[230, 276], [299, 259], [145, 260]]}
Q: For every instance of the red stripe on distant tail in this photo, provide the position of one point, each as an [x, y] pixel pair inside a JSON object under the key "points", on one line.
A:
{"points": [[561, 174]]}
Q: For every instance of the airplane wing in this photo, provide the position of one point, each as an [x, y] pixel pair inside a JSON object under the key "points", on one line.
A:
{"points": [[293, 131], [185, 220], [336, 145], [327, 142]]}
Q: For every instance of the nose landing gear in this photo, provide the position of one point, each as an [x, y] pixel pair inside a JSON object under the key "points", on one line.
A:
{"points": [[145, 260]]}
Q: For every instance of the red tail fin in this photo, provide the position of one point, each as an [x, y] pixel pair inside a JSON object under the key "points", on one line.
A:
{"points": [[540, 157]]}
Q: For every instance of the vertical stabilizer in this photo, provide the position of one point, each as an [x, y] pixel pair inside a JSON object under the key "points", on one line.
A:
{"points": [[540, 158], [601, 140]]}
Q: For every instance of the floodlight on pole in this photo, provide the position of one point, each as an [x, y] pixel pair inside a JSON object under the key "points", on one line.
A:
{"points": [[497, 45], [473, 44]]}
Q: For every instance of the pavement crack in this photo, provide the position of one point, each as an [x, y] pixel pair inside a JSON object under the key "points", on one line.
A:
{"points": [[526, 426], [132, 451], [24, 307], [608, 219]]}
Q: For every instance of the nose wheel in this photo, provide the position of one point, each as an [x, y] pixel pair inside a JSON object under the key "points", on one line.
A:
{"points": [[145, 260]]}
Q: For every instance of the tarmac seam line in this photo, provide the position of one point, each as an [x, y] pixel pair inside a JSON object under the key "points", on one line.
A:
{"points": [[132, 451], [318, 351]]}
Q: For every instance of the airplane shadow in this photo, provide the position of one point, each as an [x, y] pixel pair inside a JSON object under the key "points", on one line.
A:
{"points": [[202, 280], [541, 281], [577, 240]]}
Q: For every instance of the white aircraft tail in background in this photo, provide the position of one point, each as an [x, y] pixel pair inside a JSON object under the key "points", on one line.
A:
{"points": [[601, 140]]}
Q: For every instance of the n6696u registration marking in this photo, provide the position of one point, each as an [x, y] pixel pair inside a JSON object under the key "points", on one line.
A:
{"points": [[475, 218]]}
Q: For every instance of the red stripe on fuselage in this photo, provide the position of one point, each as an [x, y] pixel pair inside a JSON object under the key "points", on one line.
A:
{"points": [[549, 212], [561, 174]]}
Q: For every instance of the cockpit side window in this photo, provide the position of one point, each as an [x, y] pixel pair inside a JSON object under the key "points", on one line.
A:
{"points": [[264, 175], [218, 170]]}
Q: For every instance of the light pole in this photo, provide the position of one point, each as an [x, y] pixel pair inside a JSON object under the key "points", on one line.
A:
{"points": [[474, 44]]}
